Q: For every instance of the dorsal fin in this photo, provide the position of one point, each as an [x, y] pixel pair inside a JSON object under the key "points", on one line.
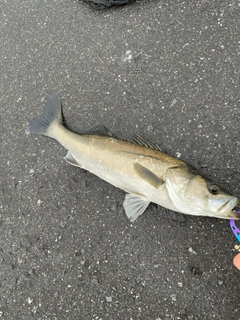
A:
{"points": [[98, 129], [144, 142]]}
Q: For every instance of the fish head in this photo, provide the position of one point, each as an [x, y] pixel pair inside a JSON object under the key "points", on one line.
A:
{"points": [[191, 193]]}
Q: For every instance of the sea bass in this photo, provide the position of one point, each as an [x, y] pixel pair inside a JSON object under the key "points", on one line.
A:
{"points": [[138, 167]]}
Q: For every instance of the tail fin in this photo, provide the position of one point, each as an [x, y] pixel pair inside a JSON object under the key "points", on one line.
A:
{"points": [[51, 113]]}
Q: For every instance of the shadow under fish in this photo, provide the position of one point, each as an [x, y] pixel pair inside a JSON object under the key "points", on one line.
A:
{"points": [[103, 4]]}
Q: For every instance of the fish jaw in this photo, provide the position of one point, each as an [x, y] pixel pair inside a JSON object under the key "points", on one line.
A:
{"points": [[225, 207], [234, 215]]}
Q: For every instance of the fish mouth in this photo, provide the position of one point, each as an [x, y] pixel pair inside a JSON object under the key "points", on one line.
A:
{"points": [[235, 213], [236, 208], [230, 205]]}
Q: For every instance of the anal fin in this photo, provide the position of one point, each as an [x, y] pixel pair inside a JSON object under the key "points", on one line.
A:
{"points": [[71, 160], [134, 205]]}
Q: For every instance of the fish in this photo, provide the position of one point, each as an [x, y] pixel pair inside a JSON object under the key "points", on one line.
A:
{"points": [[138, 167]]}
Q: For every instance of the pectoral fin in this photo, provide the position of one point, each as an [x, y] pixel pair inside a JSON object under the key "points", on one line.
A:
{"points": [[71, 160], [134, 206], [148, 175]]}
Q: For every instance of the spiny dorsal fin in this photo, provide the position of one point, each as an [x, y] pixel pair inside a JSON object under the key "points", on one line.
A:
{"points": [[98, 130], [144, 142]]}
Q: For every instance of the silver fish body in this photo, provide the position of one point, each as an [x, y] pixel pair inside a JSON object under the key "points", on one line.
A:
{"points": [[140, 169]]}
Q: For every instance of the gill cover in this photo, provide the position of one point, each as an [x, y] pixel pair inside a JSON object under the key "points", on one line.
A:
{"points": [[190, 193]]}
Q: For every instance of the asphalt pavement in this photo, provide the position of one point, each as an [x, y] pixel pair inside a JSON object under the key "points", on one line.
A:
{"points": [[168, 70]]}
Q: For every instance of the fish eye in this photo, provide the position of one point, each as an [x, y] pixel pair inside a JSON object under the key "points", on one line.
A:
{"points": [[213, 189]]}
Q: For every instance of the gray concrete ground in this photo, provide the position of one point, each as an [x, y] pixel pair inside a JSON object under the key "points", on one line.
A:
{"points": [[166, 69]]}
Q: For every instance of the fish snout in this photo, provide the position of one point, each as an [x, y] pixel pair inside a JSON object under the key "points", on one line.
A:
{"points": [[225, 205], [236, 210], [234, 215]]}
